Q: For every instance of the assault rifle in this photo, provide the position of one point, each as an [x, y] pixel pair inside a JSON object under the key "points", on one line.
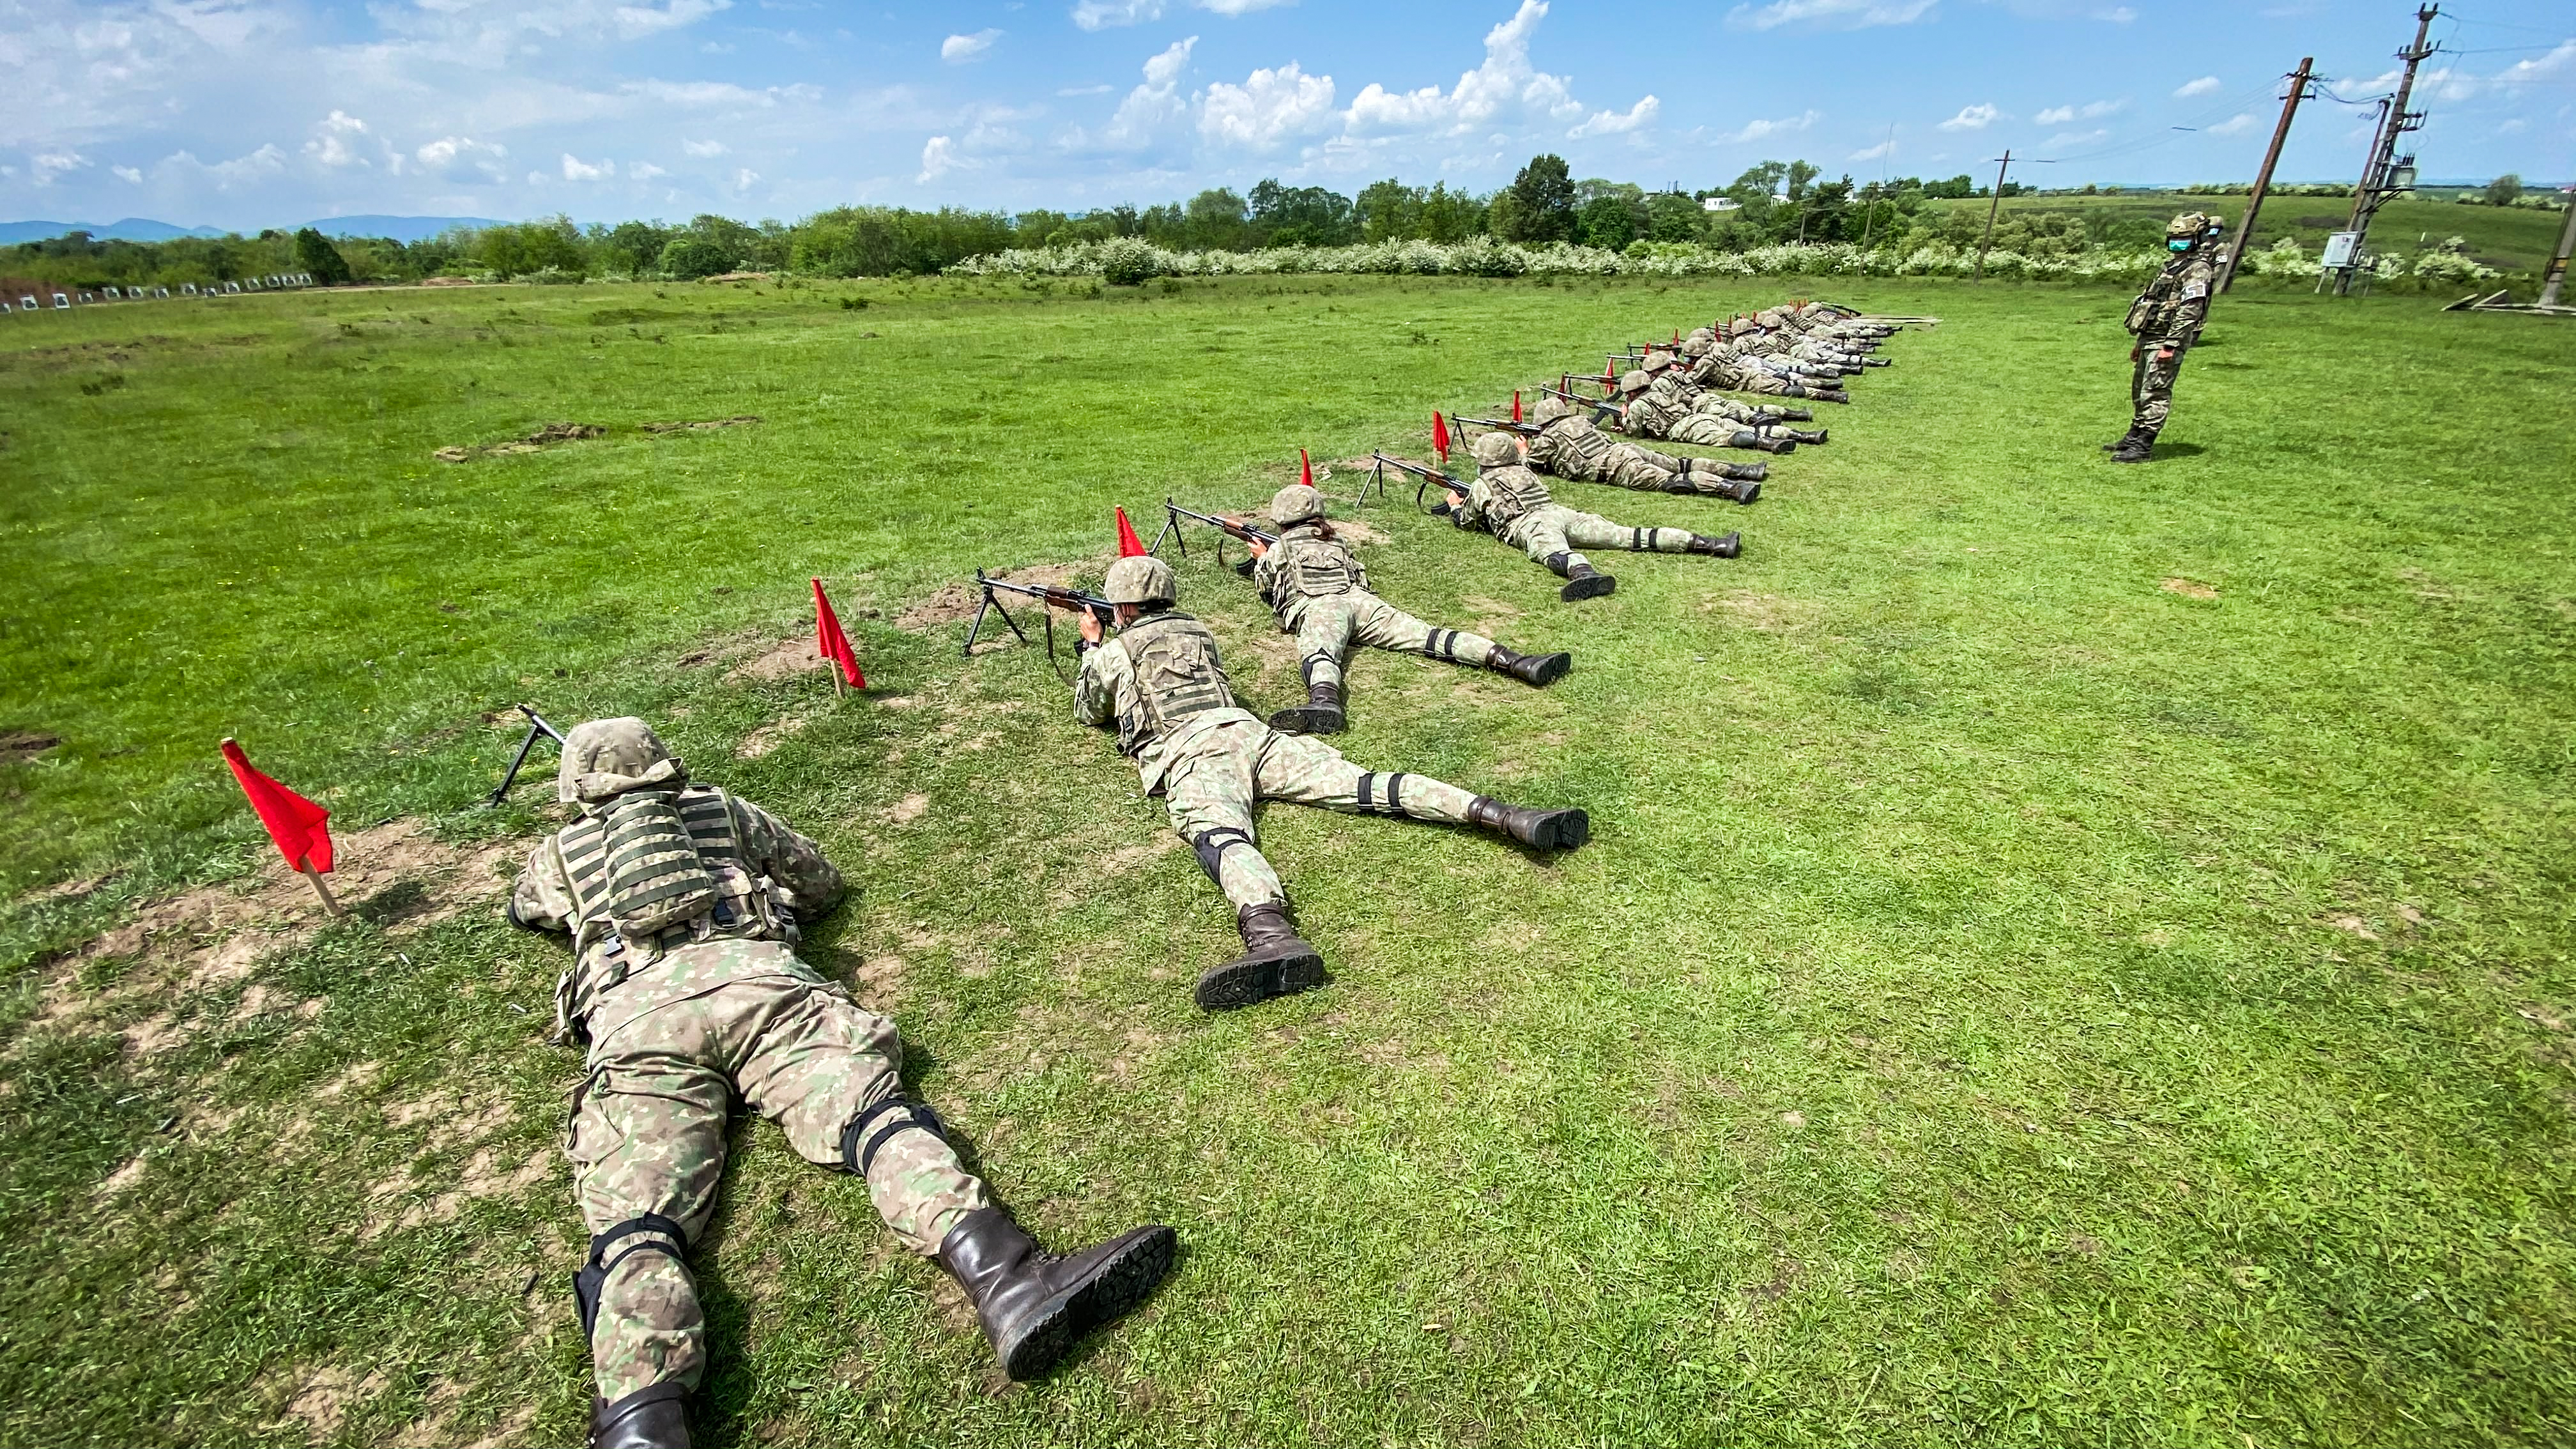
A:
{"points": [[1603, 408], [1050, 597], [1225, 527], [536, 726], [1380, 462]]}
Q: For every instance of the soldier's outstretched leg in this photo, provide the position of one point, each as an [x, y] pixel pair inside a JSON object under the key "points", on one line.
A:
{"points": [[1379, 623], [1210, 792], [1324, 633], [1597, 532], [1541, 534], [1310, 772]]}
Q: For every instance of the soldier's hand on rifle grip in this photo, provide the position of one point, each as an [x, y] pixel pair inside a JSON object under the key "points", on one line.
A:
{"points": [[1259, 549], [1457, 500], [1091, 627]]}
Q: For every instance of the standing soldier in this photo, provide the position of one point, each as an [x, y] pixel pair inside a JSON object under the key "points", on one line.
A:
{"points": [[1508, 501], [1568, 445], [1162, 686], [683, 902], [2166, 319], [1320, 592]]}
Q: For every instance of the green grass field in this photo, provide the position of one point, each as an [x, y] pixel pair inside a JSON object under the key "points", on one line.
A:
{"points": [[2514, 240], [2069, 952]]}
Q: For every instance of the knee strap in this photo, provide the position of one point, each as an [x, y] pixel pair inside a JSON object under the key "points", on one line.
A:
{"points": [[1637, 540], [859, 1151], [1306, 669], [1211, 845], [1372, 802], [1556, 561], [1439, 644], [593, 1277]]}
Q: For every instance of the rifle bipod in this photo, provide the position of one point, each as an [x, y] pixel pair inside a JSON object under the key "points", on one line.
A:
{"points": [[536, 726]]}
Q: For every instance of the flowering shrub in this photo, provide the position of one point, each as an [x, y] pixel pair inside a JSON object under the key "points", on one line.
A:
{"points": [[1129, 260]]}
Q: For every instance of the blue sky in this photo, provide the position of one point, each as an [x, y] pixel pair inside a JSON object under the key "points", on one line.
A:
{"points": [[249, 112]]}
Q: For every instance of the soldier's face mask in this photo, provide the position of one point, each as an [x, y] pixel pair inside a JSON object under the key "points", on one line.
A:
{"points": [[2179, 244]]}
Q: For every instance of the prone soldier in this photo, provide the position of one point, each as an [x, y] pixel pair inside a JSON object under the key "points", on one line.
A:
{"points": [[1162, 686], [1658, 405], [1320, 593], [1714, 365], [1509, 501], [1567, 445], [2166, 319], [684, 903]]}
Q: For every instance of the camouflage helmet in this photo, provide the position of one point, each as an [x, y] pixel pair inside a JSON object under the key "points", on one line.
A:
{"points": [[1658, 360], [1742, 326], [1143, 579], [1699, 342], [1497, 449], [2192, 226], [608, 757], [1551, 408], [1296, 503], [1634, 381]]}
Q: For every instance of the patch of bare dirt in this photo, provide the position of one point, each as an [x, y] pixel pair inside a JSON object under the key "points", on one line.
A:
{"points": [[324, 1399], [1769, 613], [709, 425], [2190, 589], [768, 737], [907, 809], [956, 603], [550, 433], [18, 745], [722, 651], [784, 660], [207, 939]]}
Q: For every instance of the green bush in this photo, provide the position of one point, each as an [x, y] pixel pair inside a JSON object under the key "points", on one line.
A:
{"points": [[691, 257]]}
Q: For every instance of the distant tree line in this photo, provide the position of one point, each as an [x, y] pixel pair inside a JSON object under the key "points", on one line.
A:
{"points": [[1774, 202]]}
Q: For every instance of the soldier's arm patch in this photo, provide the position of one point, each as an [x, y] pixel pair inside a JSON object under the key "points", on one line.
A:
{"points": [[2193, 291]]}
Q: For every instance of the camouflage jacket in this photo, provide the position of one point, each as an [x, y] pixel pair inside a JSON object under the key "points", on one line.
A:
{"points": [[1499, 498], [2176, 303], [1571, 448], [1158, 721], [1306, 563]]}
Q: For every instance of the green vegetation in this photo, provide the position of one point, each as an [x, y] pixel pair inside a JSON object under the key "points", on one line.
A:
{"points": [[2515, 240], [2070, 952]]}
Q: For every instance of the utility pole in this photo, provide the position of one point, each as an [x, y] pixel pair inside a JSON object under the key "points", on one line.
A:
{"points": [[2003, 164], [2557, 273], [2300, 80], [2388, 173]]}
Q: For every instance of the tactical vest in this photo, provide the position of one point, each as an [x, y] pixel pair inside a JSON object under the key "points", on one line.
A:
{"points": [[654, 870], [2159, 307], [1504, 494], [1650, 417], [1177, 675], [1306, 565], [1587, 445]]}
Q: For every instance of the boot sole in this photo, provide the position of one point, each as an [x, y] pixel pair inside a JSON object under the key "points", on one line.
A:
{"points": [[1303, 721], [1566, 830], [1114, 1288], [1551, 668], [1591, 588], [1751, 492], [1238, 984]]}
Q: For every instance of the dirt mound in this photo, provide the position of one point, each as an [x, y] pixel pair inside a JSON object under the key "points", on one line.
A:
{"points": [[956, 603], [206, 939], [768, 737], [16, 745], [711, 423], [784, 660], [550, 433]]}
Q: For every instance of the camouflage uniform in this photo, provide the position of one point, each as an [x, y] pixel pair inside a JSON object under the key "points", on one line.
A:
{"points": [[684, 903], [1649, 415], [1569, 446], [1320, 593], [1161, 685], [1510, 502], [2166, 319]]}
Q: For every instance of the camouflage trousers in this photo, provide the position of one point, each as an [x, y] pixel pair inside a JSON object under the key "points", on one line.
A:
{"points": [[1710, 432], [1551, 533], [2151, 387], [1729, 410], [1327, 627], [1210, 787], [671, 1047], [1755, 380]]}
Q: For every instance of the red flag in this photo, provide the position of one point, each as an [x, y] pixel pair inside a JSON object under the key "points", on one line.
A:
{"points": [[1610, 376], [1129, 545], [301, 828], [831, 643], [1516, 405], [1305, 469], [1440, 437]]}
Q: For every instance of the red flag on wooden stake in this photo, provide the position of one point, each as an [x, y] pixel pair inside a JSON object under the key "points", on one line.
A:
{"points": [[1305, 469], [1129, 545], [1610, 376], [1440, 436], [301, 828], [1516, 405], [832, 644]]}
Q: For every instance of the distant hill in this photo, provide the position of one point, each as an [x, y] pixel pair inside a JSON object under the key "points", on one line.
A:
{"points": [[144, 229]]}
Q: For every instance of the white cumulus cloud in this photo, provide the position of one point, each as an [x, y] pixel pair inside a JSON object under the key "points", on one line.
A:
{"points": [[1613, 123], [1883, 148], [46, 165], [959, 48], [1973, 118], [1758, 130], [1268, 107], [938, 158], [127, 174], [462, 158], [1507, 82], [1157, 102], [644, 170], [576, 169], [2236, 125], [333, 147], [634, 21], [1102, 14], [2200, 87], [1829, 14], [2090, 111], [703, 148]]}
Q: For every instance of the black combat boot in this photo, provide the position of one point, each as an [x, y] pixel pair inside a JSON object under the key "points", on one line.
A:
{"points": [[1740, 492], [655, 1416], [1806, 435], [1034, 1304], [1276, 961], [1878, 362], [1748, 438], [1321, 714], [2125, 439], [1736, 472], [1795, 415], [1829, 394], [1541, 829], [1583, 581], [1727, 547], [2135, 447], [1540, 670]]}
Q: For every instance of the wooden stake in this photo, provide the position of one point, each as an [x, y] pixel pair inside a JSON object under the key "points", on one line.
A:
{"points": [[305, 869]]}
